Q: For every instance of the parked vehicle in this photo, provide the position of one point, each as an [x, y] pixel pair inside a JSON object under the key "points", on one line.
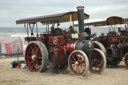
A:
{"points": [[115, 41], [59, 48]]}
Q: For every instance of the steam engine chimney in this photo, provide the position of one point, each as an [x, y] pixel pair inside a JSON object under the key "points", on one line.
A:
{"points": [[80, 10]]}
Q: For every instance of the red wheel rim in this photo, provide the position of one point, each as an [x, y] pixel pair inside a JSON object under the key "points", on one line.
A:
{"points": [[33, 57], [77, 63]]}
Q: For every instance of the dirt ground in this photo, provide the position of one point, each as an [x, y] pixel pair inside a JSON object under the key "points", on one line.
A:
{"points": [[111, 76]]}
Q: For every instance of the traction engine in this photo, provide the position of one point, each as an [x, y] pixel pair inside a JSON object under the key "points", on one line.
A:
{"points": [[116, 47], [60, 49]]}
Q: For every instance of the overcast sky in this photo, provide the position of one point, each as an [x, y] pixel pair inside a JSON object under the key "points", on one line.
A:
{"points": [[12, 10]]}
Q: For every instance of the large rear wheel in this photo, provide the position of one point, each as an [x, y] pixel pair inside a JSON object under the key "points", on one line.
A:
{"points": [[78, 63], [36, 56], [97, 61], [99, 46]]}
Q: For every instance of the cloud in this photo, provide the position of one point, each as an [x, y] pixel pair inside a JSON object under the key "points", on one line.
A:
{"points": [[12, 10], [108, 10]]}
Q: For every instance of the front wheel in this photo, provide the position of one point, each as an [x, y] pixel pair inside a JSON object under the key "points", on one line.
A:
{"points": [[97, 61], [78, 63]]}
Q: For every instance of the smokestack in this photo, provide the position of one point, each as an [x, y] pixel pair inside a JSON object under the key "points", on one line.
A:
{"points": [[80, 10]]}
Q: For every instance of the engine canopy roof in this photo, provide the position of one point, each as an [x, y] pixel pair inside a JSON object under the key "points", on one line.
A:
{"points": [[54, 18]]}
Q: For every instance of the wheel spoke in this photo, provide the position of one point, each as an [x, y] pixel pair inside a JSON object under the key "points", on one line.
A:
{"points": [[32, 65], [32, 51], [72, 61], [81, 68], [78, 58], [100, 64], [39, 57], [29, 57], [81, 61], [78, 69], [32, 62], [82, 64], [37, 64], [73, 65], [74, 58], [37, 51]]}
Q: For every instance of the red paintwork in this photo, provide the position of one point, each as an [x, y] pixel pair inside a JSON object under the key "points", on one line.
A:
{"points": [[70, 47], [114, 40], [58, 39], [53, 59], [67, 36], [61, 55], [64, 31], [110, 34]]}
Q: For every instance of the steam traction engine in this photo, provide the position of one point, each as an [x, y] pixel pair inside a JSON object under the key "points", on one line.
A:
{"points": [[60, 48], [116, 43]]}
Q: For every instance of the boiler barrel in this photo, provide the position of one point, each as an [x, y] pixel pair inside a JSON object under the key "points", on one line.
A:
{"points": [[84, 45]]}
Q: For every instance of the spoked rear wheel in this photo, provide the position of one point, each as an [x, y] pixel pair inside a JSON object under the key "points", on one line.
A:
{"points": [[97, 61], [78, 63], [36, 56]]}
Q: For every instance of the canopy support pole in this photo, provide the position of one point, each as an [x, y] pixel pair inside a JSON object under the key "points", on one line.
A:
{"points": [[37, 30], [26, 28], [32, 28]]}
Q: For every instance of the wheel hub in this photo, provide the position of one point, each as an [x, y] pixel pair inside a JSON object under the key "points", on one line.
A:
{"points": [[33, 57], [76, 63]]}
